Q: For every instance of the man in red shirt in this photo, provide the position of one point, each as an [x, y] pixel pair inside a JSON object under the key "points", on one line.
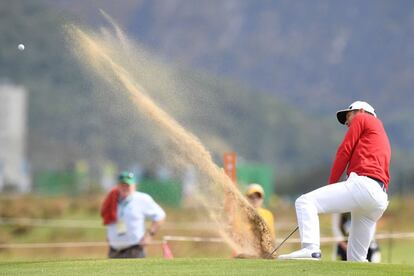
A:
{"points": [[365, 153]]}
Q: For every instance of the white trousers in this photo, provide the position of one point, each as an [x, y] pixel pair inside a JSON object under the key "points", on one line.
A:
{"points": [[360, 195]]}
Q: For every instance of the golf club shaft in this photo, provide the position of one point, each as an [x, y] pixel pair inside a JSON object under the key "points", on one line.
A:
{"points": [[273, 252]]}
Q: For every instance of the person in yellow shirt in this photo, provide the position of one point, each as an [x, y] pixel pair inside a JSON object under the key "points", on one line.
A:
{"points": [[255, 195]]}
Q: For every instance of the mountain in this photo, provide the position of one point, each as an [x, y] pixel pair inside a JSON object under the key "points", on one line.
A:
{"points": [[237, 98], [317, 55]]}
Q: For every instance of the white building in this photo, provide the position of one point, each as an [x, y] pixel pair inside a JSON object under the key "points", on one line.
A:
{"points": [[14, 169]]}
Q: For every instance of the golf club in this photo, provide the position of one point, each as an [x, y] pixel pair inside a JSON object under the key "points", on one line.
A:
{"points": [[273, 252]]}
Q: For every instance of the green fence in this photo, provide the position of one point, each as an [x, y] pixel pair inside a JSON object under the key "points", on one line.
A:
{"points": [[256, 173], [57, 183], [168, 192]]}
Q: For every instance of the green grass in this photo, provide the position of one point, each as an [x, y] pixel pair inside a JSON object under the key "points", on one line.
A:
{"points": [[198, 267], [397, 218]]}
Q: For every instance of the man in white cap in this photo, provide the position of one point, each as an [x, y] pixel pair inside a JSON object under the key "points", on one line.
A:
{"points": [[365, 153]]}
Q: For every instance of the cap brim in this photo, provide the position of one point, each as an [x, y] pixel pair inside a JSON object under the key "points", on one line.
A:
{"points": [[127, 182], [254, 192], [341, 115]]}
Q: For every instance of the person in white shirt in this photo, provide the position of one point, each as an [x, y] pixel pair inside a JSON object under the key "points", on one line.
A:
{"points": [[126, 233]]}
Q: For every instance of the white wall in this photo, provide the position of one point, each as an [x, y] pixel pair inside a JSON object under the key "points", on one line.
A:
{"points": [[13, 129]]}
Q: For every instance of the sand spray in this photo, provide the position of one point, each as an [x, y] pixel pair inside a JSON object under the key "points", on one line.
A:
{"points": [[248, 234]]}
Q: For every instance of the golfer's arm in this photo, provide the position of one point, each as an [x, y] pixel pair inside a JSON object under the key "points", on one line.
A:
{"points": [[155, 226], [343, 155]]}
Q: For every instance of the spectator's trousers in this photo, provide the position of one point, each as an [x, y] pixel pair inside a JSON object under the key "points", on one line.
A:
{"points": [[135, 251]]}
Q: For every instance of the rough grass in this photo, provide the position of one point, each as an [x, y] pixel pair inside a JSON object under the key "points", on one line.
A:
{"points": [[199, 267], [398, 218]]}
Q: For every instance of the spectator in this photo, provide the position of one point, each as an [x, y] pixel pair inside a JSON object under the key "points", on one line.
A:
{"points": [[124, 211], [255, 195], [341, 224]]}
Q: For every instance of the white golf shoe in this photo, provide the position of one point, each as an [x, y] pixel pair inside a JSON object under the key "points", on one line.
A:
{"points": [[302, 254]]}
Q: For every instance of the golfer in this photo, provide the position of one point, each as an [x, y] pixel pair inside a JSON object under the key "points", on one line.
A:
{"points": [[365, 153], [124, 212]]}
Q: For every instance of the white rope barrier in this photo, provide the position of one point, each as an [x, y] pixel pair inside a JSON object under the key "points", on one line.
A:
{"points": [[96, 224], [193, 239], [52, 245], [63, 245], [66, 223], [402, 235]]}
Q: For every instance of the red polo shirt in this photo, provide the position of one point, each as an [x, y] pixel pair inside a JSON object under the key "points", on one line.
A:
{"points": [[365, 149]]}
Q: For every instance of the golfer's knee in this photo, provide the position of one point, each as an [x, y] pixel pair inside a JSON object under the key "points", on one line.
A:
{"points": [[303, 201]]}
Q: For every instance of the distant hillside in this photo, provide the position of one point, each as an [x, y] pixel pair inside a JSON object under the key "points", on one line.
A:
{"points": [[71, 120], [318, 55]]}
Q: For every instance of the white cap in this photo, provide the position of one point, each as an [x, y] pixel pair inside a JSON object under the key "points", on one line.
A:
{"points": [[341, 114]]}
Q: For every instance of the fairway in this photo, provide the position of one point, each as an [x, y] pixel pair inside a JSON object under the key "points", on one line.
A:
{"points": [[152, 137], [198, 267]]}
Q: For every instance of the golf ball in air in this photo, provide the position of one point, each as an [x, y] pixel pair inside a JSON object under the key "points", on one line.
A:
{"points": [[20, 47]]}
